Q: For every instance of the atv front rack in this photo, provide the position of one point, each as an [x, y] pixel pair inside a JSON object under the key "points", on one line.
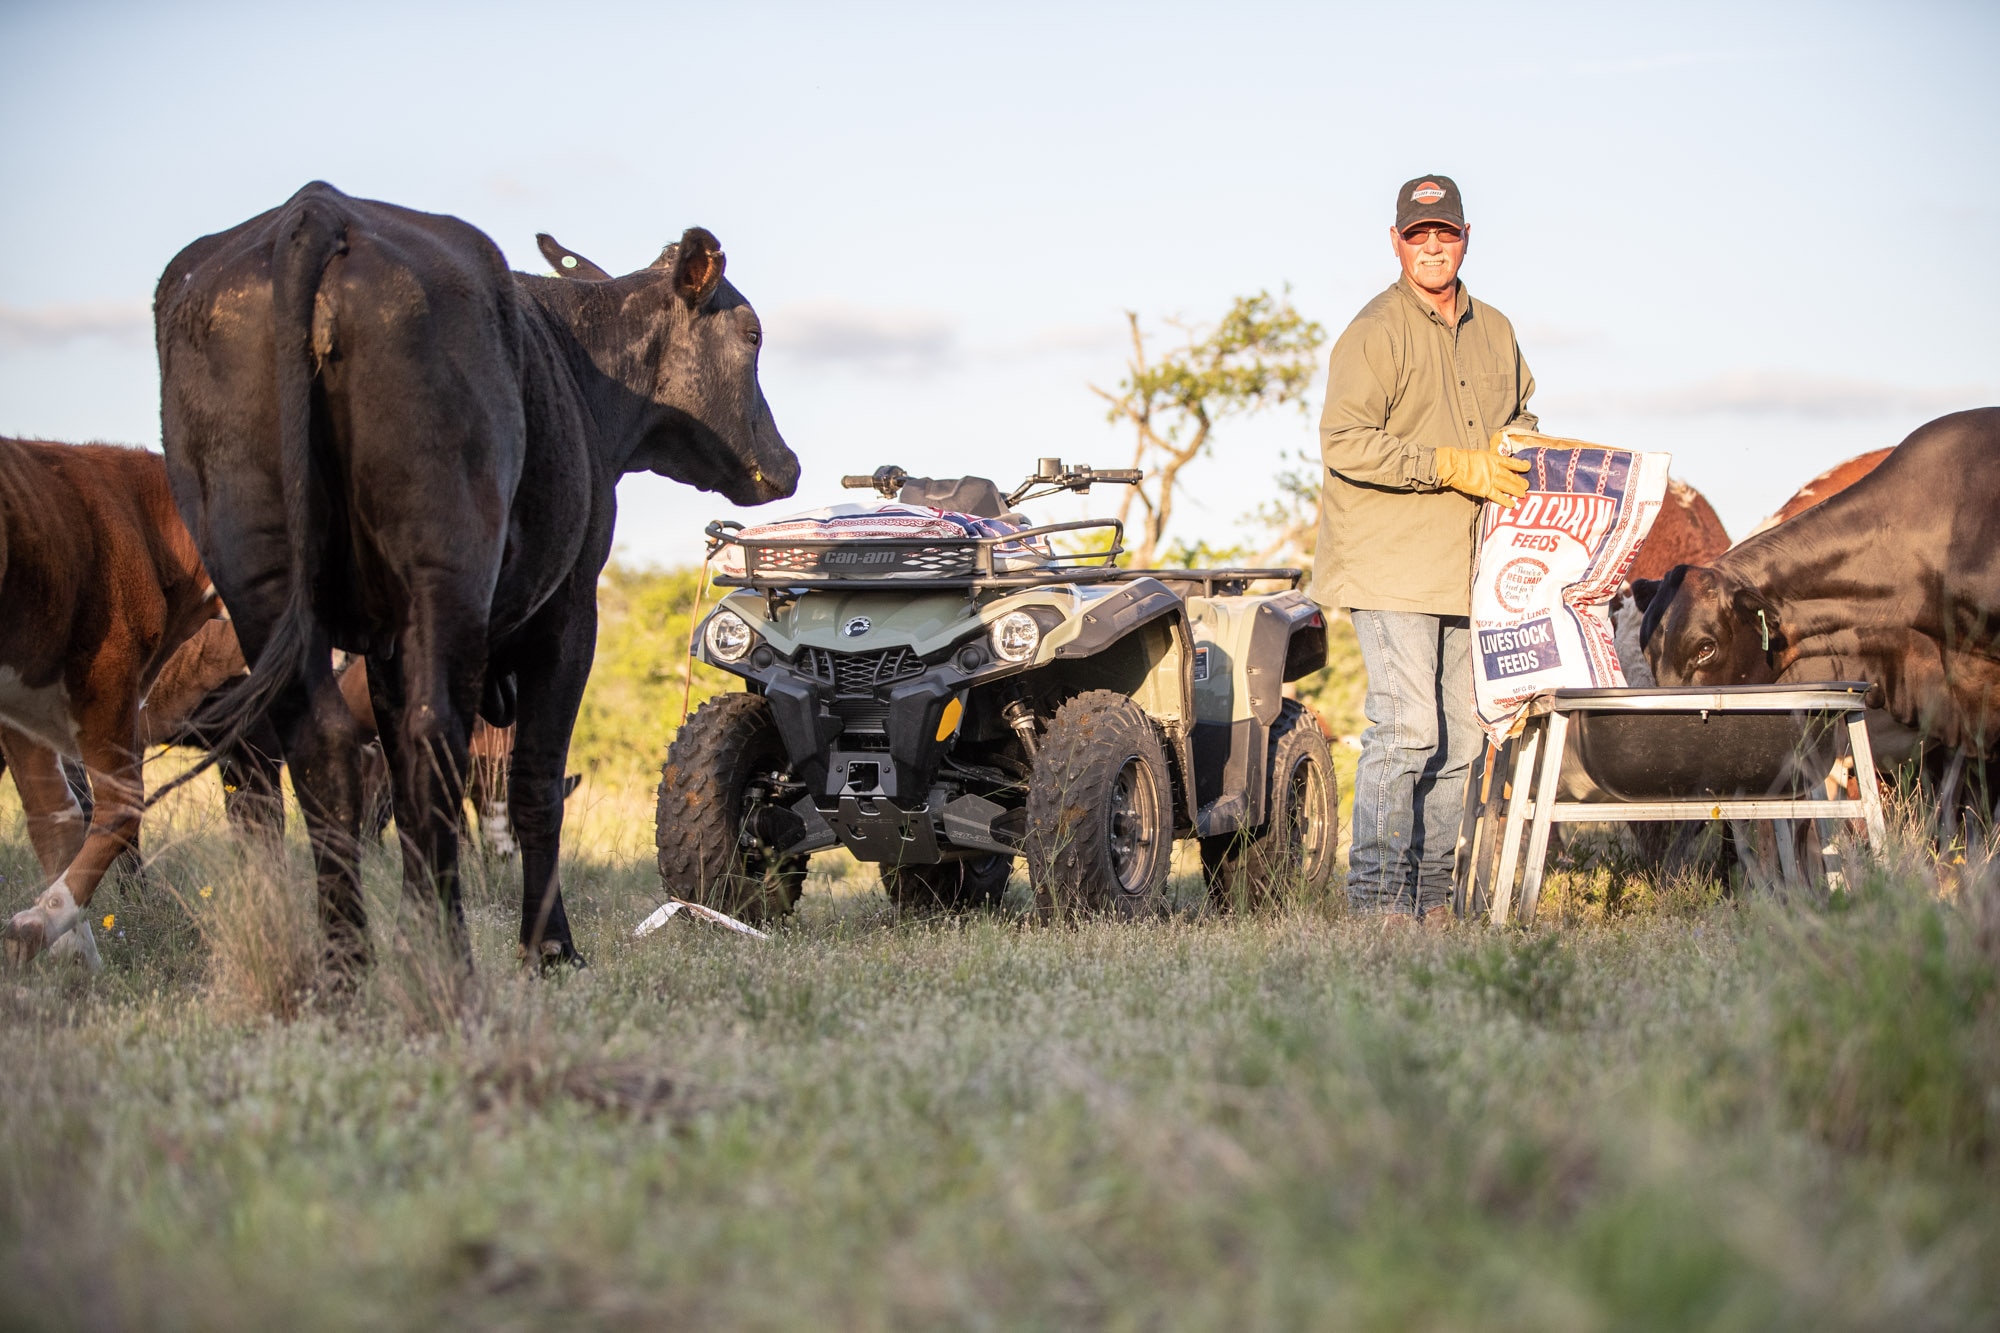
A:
{"points": [[862, 564], [875, 564]]}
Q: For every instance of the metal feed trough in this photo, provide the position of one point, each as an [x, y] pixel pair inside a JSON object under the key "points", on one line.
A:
{"points": [[1739, 752]]}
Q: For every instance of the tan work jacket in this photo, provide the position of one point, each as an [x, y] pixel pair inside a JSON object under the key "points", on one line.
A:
{"points": [[1400, 384]]}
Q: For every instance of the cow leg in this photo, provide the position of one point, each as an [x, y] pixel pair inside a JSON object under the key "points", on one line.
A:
{"points": [[251, 795], [551, 678], [424, 718], [321, 748], [491, 748], [118, 797], [56, 821]]}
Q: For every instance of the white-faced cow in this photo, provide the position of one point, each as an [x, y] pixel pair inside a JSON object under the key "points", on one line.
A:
{"points": [[99, 584], [387, 443], [1894, 580]]}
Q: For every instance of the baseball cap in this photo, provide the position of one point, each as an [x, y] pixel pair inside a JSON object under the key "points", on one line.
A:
{"points": [[1429, 199]]}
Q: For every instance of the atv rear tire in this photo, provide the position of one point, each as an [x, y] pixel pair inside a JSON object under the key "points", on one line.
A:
{"points": [[950, 886], [711, 794], [1100, 810], [1292, 857]]}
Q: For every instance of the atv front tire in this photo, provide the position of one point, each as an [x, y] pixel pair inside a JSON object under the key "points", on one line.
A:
{"points": [[1292, 856], [719, 771], [1100, 811], [976, 883]]}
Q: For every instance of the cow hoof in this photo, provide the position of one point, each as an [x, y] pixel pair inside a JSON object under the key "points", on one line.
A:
{"points": [[553, 955]]}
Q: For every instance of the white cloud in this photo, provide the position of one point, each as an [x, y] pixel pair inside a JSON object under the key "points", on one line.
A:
{"points": [[1664, 60], [51, 325], [833, 333]]}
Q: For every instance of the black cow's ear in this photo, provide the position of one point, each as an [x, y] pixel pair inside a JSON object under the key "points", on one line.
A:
{"points": [[1654, 602], [1760, 613], [697, 265], [566, 262]]}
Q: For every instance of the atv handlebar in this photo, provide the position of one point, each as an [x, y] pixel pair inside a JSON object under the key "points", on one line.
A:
{"points": [[885, 481], [1050, 477]]}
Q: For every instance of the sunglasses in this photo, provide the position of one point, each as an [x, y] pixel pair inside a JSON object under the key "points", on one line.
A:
{"points": [[1446, 235]]}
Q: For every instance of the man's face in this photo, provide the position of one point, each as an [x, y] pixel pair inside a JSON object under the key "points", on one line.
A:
{"points": [[1430, 253]]}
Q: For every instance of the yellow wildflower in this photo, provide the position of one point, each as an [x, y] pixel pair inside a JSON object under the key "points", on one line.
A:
{"points": [[110, 920], [208, 891]]}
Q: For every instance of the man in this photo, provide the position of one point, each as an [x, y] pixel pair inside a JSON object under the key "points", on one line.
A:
{"points": [[1418, 384]]}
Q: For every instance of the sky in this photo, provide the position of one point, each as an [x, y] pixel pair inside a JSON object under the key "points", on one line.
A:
{"points": [[1759, 237]]}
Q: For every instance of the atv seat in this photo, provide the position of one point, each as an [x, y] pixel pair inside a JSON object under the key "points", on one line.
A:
{"points": [[961, 495]]}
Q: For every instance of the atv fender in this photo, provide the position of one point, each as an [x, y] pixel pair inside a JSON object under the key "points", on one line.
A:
{"points": [[1287, 641]]}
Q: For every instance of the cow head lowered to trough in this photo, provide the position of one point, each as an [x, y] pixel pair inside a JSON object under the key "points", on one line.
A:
{"points": [[686, 347], [1704, 626]]}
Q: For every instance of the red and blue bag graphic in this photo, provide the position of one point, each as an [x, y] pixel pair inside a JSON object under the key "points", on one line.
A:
{"points": [[1548, 568]]}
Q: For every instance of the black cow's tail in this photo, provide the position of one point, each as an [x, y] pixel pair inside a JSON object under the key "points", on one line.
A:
{"points": [[311, 231]]}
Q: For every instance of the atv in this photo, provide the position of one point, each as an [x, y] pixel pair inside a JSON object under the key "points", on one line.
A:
{"points": [[943, 705]]}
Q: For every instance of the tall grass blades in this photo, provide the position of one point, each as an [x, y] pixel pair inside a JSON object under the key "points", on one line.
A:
{"points": [[1887, 1010]]}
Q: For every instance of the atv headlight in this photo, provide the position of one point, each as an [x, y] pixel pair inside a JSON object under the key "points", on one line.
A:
{"points": [[1016, 636], [729, 636]]}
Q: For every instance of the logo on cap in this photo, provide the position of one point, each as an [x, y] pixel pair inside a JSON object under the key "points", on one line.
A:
{"points": [[1427, 193]]}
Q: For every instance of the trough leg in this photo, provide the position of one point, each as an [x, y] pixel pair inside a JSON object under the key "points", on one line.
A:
{"points": [[1528, 746], [1864, 773], [1462, 864], [1545, 806], [1786, 834], [1485, 809]]}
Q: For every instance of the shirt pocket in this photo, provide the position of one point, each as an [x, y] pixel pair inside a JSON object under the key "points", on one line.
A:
{"points": [[1497, 399]]}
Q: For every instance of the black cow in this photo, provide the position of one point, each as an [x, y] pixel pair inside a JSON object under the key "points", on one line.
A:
{"points": [[1895, 581], [386, 442]]}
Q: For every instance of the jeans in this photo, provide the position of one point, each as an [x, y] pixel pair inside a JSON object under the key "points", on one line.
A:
{"points": [[1409, 790]]}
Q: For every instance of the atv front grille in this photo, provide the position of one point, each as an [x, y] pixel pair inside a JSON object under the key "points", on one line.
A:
{"points": [[864, 723], [862, 559], [855, 675]]}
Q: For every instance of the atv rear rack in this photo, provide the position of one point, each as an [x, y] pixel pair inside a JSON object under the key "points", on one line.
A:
{"points": [[877, 564]]}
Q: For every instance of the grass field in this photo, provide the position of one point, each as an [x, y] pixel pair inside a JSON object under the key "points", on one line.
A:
{"points": [[1664, 1108]]}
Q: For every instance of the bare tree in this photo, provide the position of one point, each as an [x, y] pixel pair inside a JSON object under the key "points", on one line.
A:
{"points": [[1259, 355]]}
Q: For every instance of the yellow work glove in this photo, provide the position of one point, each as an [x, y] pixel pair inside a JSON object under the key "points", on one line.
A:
{"points": [[1483, 475]]}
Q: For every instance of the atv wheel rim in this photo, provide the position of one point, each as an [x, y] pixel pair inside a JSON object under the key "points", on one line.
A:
{"points": [[1305, 816], [1134, 819]]}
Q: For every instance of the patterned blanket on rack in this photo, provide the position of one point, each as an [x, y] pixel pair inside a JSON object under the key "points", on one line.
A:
{"points": [[858, 522]]}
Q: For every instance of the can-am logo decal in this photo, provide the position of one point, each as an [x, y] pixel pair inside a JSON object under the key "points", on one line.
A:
{"points": [[858, 558], [1427, 193], [857, 627]]}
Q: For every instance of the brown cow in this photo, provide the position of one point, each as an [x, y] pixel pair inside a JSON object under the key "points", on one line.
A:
{"points": [[99, 584], [1823, 487]]}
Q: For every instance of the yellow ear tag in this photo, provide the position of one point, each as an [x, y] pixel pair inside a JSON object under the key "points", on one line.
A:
{"points": [[953, 711]]}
